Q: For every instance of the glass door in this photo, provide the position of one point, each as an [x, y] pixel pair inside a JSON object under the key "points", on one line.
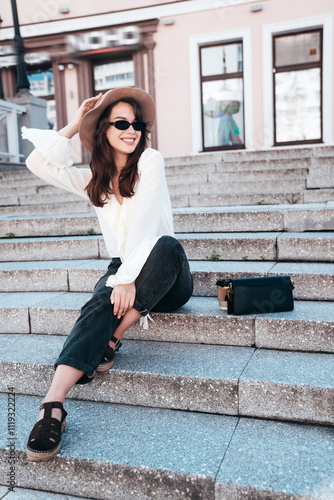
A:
{"points": [[222, 96], [297, 88]]}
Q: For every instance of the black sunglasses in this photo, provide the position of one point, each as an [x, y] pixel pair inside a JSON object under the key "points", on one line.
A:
{"points": [[124, 125]]}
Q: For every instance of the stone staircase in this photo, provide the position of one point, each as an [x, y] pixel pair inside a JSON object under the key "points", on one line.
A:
{"points": [[239, 178], [202, 405], [301, 175]]}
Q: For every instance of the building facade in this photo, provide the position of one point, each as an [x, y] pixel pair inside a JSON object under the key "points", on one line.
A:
{"points": [[225, 74]]}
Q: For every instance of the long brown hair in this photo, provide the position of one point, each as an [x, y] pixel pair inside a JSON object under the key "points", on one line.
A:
{"points": [[103, 165]]}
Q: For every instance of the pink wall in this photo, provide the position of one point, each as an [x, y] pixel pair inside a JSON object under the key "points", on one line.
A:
{"points": [[171, 54], [172, 63], [39, 11]]}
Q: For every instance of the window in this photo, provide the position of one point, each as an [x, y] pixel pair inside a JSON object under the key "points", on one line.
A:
{"points": [[222, 96], [42, 85], [112, 75], [298, 88]]}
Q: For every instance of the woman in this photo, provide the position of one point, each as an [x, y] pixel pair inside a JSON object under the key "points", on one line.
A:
{"points": [[149, 270]]}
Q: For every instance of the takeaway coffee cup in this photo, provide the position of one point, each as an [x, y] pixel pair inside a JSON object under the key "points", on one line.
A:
{"points": [[222, 289]]}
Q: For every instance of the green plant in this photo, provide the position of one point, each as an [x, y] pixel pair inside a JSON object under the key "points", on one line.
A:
{"points": [[91, 232], [214, 256], [245, 258], [9, 235], [263, 258], [260, 202], [293, 200]]}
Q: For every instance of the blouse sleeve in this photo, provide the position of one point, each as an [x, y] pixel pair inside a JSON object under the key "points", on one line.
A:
{"points": [[51, 161], [146, 218]]}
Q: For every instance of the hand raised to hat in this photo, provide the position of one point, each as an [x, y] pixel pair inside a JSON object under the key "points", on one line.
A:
{"points": [[72, 128]]}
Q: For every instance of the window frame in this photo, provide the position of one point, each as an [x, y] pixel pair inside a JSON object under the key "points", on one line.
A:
{"points": [[297, 67], [217, 77]]}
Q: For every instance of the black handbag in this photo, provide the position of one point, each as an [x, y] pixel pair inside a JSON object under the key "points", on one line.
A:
{"points": [[260, 295]]}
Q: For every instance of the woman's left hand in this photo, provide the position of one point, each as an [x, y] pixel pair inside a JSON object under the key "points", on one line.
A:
{"points": [[123, 297]]}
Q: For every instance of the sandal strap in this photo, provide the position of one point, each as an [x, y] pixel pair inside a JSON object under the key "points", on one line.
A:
{"points": [[47, 407], [116, 341], [108, 353]]}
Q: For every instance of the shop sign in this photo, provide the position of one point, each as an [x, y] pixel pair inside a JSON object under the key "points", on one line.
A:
{"points": [[97, 40], [8, 58]]}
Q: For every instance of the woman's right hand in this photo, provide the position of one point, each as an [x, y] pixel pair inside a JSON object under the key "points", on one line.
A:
{"points": [[86, 106], [72, 128]]}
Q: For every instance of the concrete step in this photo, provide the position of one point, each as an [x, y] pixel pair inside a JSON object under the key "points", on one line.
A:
{"points": [[223, 200], [201, 159], [309, 327], [158, 374], [320, 180], [216, 379], [279, 153], [202, 246], [318, 195], [8, 201], [259, 187], [233, 169], [182, 176], [292, 218], [240, 166], [166, 455], [40, 199], [260, 246], [21, 183], [321, 175], [33, 494], [30, 189], [14, 175], [313, 281], [296, 218], [284, 155], [24, 175], [214, 200], [261, 175], [73, 207]]}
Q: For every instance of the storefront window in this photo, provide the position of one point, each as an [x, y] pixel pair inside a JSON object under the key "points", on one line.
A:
{"points": [[222, 96], [112, 75], [297, 88], [42, 85]]}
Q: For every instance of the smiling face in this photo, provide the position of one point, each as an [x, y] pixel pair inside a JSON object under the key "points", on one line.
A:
{"points": [[124, 142]]}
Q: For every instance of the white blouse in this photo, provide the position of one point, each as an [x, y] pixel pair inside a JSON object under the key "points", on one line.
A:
{"points": [[130, 230]]}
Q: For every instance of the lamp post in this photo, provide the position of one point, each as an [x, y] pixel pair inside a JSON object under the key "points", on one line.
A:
{"points": [[22, 83]]}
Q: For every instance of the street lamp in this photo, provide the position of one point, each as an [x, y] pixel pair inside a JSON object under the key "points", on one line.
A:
{"points": [[22, 84]]}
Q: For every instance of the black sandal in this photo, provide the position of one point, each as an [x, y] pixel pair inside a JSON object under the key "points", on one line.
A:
{"points": [[108, 357], [45, 438]]}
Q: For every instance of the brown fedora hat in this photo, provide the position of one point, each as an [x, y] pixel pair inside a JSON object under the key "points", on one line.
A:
{"points": [[89, 121]]}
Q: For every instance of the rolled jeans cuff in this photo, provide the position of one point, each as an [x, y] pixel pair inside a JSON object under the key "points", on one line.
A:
{"points": [[140, 308], [75, 363]]}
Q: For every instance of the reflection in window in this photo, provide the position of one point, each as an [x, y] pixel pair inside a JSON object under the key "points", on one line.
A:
{"points": [[42, 85], [297, 87], [113, 75], [298, 107], [222, 96], [223, 113], [297, 49], [221, 59]]}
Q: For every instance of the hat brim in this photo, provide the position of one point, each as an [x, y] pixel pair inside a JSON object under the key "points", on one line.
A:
{"points": [[89, 121]]}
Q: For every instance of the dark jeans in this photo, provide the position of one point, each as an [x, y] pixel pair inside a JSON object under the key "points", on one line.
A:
{"points": [[164, 284]]}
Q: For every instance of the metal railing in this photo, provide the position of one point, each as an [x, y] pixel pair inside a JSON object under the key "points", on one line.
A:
{"points": [[9, 132]]}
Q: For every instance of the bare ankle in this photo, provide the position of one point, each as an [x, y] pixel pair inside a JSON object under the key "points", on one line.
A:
{"points": [[54, 396]]}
